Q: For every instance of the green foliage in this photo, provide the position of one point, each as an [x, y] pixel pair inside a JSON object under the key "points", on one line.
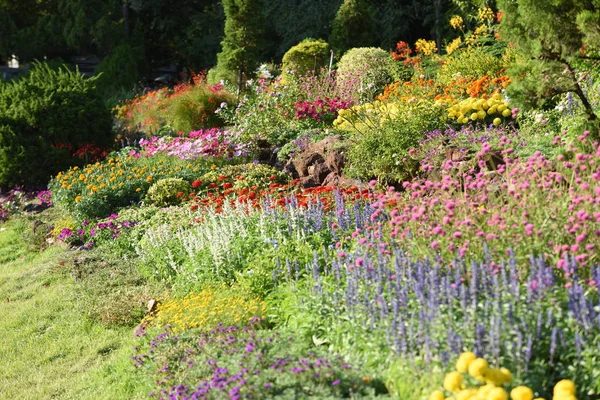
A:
{"points": [[120, 69], [353, 26], [367, 69], [243, 30], [556, 46], [260, 175], [47, 115], [382, 152], [168, 192], [308, 55], [472, 63]]}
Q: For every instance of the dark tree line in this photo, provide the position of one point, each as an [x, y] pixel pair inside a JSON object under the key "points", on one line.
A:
{"points": [[190, 32]]}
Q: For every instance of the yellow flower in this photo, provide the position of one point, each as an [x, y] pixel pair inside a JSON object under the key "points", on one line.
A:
{"points": [[436, 395], [485, 14], [478, 368], [494, 376], [453, 381], [77, 199], [213, 166], [481, 30], [427, 47], [456, 22], [566, 386], [521, 393], [453, 46], [82, 177], [138, 189], [462, 364], [497, 393], [507, 375], [149, 178]]}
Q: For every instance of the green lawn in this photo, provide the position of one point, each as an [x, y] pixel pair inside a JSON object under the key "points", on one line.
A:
{"points": [[47, 349]]}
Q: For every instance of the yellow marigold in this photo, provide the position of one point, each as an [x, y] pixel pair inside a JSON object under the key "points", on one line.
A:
{"points": [[462, 364], [478, 368], [149, 178], [521, 393], [82, 177], [453, 381], [457, 22], [497, 393], [437, 395], [566, 386], [494, 376], [77, 199], [507, 375]]}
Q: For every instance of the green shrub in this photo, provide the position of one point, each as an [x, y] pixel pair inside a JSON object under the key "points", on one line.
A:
{"points": [[168, 192], [383, 152], [366, 69], [120, 69], [308, 55], [354, 25], [469, 63], [47, 116]]}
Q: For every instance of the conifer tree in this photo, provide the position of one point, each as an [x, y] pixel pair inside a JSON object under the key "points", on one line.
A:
{"points": [[240, 46], [556, 40], [353, 26]]}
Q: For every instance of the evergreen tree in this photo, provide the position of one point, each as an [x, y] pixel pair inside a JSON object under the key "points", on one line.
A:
{"points": [[353, 26], [240, 46], [556, 40]]}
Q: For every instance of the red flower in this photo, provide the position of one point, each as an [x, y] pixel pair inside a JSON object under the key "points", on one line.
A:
{"points": [[227, 185], [196, 183]]}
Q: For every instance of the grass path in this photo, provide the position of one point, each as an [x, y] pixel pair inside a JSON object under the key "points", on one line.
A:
{"points": [[47, 350]]}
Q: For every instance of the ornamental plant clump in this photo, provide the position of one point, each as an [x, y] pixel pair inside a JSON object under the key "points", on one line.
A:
{"points": [[168, 192], [488, 383], [238, 362], [206, 310], [215, 143], [185, 108]]}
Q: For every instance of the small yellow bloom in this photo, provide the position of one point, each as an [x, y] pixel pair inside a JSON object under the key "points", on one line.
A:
{"points": [[453, 381], [437, 395], [566, 386], [462, 364], [77, 199], [478, 368], [149, 178], [521, 393], [82, 177], [456, 22], [138, 189]]}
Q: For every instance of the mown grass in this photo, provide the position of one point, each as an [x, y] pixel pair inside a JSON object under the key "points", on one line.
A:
{"points": [[48, 349]]}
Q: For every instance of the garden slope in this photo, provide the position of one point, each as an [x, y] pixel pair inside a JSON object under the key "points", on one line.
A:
{"points": [[47, 350]]}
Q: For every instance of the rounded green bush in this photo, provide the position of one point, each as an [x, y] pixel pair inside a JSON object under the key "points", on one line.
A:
{"points": [[366, 70], [308, 55], [168, 192], [46, 116]]}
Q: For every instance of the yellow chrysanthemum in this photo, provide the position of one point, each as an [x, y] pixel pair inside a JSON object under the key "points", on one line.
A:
{"points": [[453, 381], [437, 395], [521, 393], [478, 368], [462, 364]]}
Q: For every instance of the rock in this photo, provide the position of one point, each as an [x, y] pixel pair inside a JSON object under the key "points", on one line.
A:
{"points": [[318, 163], [151, 306]]}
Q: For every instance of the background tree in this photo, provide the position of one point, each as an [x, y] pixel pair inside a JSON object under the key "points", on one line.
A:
{"points": [[556, 42], [240, 46], [353, 26]]}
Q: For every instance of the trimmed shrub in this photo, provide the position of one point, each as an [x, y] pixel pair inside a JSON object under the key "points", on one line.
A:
{"points": [[48, 116], [365, 68], [308, 55]]}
